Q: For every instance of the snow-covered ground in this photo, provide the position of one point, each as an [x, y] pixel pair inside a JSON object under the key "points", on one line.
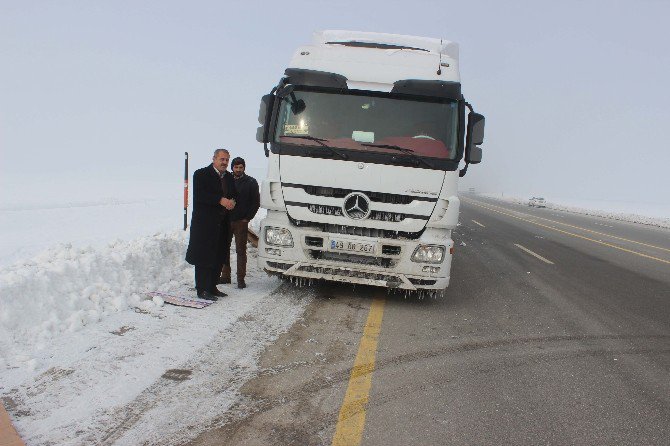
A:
{"points": [[86, 357], [654, 214]]}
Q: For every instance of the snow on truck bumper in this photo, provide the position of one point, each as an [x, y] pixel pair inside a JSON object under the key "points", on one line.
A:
{"points": [[312, 254]]}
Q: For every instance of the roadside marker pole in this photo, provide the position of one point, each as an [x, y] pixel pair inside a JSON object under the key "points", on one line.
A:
{"points": [[185, 189]]}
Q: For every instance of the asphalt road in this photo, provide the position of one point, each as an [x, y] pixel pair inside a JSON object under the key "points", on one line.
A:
{"points": [[555, 330]]}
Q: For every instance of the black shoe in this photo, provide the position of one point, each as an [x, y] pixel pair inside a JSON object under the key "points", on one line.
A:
{"points": [[241, 284], [217, 293], [207, 296], [223, 281]]}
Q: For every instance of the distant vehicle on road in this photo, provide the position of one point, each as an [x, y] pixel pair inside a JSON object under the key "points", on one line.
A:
{"points": [[537, 202]]}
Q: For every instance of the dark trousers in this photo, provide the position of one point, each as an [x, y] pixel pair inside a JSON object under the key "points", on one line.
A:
{"points": [[206, 277], [240, 229]]}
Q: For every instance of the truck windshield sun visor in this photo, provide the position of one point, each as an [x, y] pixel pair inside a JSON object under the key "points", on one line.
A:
{"points": [[438, 89], [315, 78]]}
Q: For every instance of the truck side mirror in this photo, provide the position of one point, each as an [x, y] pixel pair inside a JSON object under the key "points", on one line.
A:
{"points": [[264, 115], [475, 155], [263, 110], [474, 137], [260, 134]]}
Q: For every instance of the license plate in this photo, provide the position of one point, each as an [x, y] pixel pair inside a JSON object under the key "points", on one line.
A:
{"points": [[345, 245]]}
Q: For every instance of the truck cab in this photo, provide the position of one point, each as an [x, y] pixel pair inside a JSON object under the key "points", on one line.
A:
{"points": [[365, 133]]}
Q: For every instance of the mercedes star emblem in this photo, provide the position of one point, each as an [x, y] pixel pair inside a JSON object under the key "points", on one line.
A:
{"points": [[356, 206]]}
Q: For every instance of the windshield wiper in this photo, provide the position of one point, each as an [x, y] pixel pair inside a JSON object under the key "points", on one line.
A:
{"points": [[404, 150], [321, 141]]}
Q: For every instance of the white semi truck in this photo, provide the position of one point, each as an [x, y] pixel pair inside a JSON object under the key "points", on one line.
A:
{"points": [[365, 133]]}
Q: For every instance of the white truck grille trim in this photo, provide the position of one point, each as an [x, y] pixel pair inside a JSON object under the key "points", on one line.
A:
{"points": [[357, 230], [379, 197], [374, 215]]}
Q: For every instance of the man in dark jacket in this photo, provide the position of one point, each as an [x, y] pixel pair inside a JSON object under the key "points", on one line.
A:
{"points": [[248, 202], [214, 196]]}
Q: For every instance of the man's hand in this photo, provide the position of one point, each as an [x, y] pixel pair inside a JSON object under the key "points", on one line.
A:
{"points": [[226, 203]]}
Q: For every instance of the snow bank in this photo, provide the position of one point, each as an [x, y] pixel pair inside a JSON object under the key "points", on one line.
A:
{"points": [[65, 288], [103, 373], [598, 210]]}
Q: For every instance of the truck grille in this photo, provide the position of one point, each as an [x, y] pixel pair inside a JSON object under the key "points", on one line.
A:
{"points": [[391, 250], [374, 215], [383, 262], [357, 230], [279, 265], [379, 197], [314, 241], [324, 210], [422, 281], [370, 232], [346, 273], [390, 216]]}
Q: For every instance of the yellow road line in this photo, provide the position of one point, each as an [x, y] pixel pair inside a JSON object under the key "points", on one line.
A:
{"points": [[476, 222], [573, 234], [523, 248], [582, 229], [351, 420]]}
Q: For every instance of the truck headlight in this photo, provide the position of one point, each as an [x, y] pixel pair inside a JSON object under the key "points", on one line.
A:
{"points": [[428, 254], [278, 236]]}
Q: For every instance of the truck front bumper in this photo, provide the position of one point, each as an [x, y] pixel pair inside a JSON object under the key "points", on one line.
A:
{"points": [[307, 259]]}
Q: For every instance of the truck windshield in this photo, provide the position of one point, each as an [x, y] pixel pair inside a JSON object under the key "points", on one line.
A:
{"points": [[369, 123]]}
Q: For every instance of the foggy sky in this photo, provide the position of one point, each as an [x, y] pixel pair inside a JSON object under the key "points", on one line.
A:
{"points": [[101, 99]]}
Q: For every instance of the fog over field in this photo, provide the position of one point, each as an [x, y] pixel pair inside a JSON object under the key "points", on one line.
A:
{"points": [[99, 101]]}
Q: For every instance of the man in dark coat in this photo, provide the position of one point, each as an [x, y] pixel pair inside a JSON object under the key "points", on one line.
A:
{"points": [[214, 196], [248, 202]]}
